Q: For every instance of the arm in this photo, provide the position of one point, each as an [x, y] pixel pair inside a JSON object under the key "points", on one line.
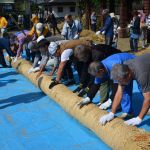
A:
{"points": [[64, 30], [60, 70], [106, 25], [117, 99], [146, 105]]}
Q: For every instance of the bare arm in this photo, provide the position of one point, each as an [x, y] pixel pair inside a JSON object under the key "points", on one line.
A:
{"points": [[146, 105], [60, 70], [117, 98]]}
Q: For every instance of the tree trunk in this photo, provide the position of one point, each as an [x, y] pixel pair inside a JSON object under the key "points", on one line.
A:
{"points": [[88, 13], [146, 7]]}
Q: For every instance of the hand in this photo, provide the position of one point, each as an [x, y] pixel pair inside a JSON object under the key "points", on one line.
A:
{"points": [[98, 32], [54, 83], [30, 70], [38, 75], [76, 37], [106, 118], [15, 60], [133, 121], [85, 101], [103, 32]]}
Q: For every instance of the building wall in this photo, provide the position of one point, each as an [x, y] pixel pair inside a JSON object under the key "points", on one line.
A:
{"points": [[66, 10]]}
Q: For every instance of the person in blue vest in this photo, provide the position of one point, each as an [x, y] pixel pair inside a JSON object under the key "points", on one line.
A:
{"points": [[137, 69], [107, 29], [101, 70]]}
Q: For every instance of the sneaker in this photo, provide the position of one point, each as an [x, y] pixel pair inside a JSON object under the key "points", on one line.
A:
{"points": [[82, 93], [98, 104], [77, 89], [69, 82], [106, 105], [148, 113]]}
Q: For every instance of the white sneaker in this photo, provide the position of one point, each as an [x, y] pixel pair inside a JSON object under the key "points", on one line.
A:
{"points": [[106, 105], [148, 113]]}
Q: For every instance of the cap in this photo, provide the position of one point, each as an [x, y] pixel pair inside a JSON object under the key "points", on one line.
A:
{"points": [[52, 48], [39, 28]]}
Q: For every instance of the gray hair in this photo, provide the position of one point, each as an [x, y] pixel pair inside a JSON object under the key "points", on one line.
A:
{"points": [[119, 72], [82, 53], [95, 67]]}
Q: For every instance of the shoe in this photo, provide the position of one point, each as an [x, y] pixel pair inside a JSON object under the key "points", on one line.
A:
{"points": [[98, 104], [77, 89], [106, 105], [83, 92], [69, 82]]}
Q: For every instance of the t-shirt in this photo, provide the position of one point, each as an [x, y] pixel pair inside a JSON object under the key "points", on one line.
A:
{"points": [[112, 60], [66, 54], [140, 67]]}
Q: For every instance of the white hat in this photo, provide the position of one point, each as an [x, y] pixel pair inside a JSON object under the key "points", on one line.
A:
{"points": [[39, 27], [52, 48], [40, 38], [112, 15]]}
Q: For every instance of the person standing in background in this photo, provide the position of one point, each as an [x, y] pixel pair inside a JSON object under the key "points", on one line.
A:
{"points": [[148, 28], [93, 21]]}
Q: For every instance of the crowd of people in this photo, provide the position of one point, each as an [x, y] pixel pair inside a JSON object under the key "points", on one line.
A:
{"points": [[99, 66]]}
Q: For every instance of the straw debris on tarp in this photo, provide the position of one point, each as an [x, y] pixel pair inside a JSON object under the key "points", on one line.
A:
{"points": [[115, 133]]}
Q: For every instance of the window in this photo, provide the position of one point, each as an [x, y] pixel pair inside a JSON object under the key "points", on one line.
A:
{"points": [[72, 9], [60, 9]]}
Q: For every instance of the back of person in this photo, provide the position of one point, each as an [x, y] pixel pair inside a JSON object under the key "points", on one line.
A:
{"points": [[72, 43], [3, 22], [102, 51]]}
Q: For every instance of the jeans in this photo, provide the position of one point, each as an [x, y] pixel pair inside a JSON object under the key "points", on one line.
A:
{"points": [[134, 44]]}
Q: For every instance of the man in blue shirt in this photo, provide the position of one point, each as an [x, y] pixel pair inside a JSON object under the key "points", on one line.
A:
{"points": [[107, 29], [101, 70]]}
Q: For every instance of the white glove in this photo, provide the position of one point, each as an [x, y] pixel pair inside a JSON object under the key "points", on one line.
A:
{"points": [[106, 105], [106, 118], [36, 69], [15, 60], [85, 101], [98, 32], [103, 32], [76, 37], [30, 70], [133, 121]]}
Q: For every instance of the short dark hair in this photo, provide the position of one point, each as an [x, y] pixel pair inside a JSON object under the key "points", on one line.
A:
{"points": [[82, 52], [95, 67], [119, 71], [43, 43]]}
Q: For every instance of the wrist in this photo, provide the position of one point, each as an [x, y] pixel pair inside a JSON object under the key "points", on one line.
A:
{"points": [[139, 118]]}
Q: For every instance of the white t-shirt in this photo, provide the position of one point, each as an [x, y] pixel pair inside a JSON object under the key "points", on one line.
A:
{"points": [[66, 54]]}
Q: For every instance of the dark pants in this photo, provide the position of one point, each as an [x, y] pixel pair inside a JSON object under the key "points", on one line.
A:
{"points": [[148, 36], [108, 40], [2, 59], [55, 28], [93, 27], [134, 44]]}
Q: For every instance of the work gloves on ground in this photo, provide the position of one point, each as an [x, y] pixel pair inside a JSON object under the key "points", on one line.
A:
{"points": [[31, 70], [84, 102], [133, 121], [106, 118]]}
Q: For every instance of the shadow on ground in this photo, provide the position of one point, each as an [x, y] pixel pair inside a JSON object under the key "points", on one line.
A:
{"points": [[24, 98]]}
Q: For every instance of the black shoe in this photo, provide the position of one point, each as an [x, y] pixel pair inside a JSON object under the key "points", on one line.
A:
{"points": [[77, 89], [70, 82], [82, 93]]}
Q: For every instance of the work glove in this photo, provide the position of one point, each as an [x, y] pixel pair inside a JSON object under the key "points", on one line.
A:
{"points": [[106, 105], [98, 32], [54, 83], [103, 33], [133, 121], [106, 118], [76, 37], [36, 69], [84, 102], [30, 70], [15, 60]]}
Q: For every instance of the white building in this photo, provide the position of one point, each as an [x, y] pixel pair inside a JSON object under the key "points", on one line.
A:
{"points": [[60, 7]]}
